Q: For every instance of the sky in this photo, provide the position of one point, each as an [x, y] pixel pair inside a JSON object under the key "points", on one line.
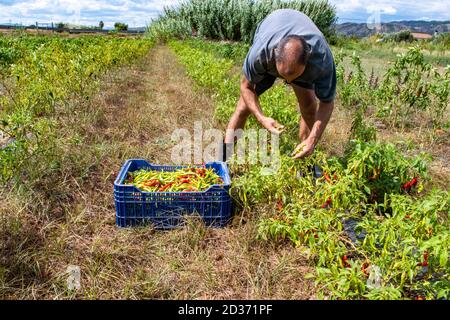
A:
{"points": [[140, 12]]}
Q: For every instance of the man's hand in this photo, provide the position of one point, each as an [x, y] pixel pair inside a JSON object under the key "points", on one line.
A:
{"points": [[304, 149], [272, 125], [323, 115]]}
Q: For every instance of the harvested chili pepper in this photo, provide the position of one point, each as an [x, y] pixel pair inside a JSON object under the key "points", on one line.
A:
{"points": [[152, 183], [186, 179]]}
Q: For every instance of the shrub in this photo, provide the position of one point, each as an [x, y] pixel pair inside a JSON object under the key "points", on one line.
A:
{"points": [[401, 36], [233, 19], [119, 26]]}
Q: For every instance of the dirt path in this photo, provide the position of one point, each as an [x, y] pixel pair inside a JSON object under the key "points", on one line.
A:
{"points": [[133, 117]]}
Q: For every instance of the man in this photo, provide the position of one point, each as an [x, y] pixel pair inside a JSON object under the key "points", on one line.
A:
{"points": [[288, 45]]}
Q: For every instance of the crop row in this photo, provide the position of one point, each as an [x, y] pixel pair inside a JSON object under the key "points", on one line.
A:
{"points": [[41, 78]]}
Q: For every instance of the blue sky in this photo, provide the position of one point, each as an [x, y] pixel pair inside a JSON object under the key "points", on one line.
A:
{"points": [[140, 12]]}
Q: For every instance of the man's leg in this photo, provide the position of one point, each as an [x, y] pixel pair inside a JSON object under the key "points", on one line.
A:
{"points": [[237, 120], [308, 108]]}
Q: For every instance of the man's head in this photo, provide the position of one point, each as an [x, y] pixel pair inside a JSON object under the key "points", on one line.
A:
{"points": [[291, 56]]}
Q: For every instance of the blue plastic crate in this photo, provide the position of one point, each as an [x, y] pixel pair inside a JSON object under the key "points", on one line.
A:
{"points": [[165, 210]]}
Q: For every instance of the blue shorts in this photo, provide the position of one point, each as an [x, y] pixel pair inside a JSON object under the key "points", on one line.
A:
{"points": [[269, 80]]}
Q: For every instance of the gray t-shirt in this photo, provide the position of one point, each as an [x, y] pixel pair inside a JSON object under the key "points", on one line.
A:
{"points": [[320, 72]]}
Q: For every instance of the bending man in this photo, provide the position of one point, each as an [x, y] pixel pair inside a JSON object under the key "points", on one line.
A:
{"points": [[288, 45]]}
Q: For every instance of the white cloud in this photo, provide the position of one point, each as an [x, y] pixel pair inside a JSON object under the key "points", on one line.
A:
{"points": [[437, 9], [137, 12], [140, 12]]}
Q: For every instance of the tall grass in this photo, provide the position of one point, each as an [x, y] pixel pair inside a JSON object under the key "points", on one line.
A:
{"points": [[232, 19]]}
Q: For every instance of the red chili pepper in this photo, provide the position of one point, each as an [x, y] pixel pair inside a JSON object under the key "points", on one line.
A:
{"points": [[279, 205], [185, 181], [167, 186], [327, 177], [344, 261], [410, 184], [423, 264], [327, 203], [364, 268], [152, 183], [425, 256]]}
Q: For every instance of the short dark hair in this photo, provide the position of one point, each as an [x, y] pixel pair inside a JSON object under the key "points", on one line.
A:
{"points": [[302, 56]]}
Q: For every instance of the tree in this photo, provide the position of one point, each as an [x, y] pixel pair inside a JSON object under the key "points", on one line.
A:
{"points": [[404, 35], [60, 26], [119, 26], [101, 25]]}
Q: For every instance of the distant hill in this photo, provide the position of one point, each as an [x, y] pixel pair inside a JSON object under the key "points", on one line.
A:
{"points": [[361, 29]]}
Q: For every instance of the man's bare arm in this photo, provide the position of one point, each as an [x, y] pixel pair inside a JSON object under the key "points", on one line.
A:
{"points": [[251, 99], [252, 102], [323, 116]]}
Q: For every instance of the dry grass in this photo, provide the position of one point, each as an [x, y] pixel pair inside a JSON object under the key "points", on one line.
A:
{"points": [[73, 222]]}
